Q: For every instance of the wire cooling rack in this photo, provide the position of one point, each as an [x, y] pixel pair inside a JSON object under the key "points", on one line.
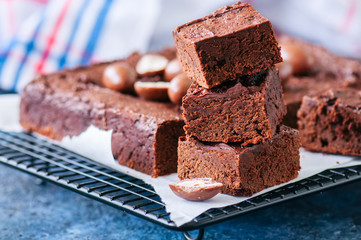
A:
{"points": [[38, 157]]}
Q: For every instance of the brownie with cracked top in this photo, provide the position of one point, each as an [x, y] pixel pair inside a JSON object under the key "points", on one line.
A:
{"points": [[233, 41], [247, 110], [331, 122], [242, 170]]}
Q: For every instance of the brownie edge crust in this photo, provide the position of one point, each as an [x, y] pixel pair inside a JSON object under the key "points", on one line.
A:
{"points": [[243, 170]]}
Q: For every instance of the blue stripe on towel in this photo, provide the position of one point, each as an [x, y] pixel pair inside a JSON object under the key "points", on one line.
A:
{"points": [[94, 36], [63, 58], [28, 49]]}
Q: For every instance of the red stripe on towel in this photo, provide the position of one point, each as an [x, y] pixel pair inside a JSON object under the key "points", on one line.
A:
{"points": [[351, 12], [52, 37]]}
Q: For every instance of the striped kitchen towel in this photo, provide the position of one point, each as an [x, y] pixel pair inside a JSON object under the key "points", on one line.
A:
{"points": [[43, 36]]}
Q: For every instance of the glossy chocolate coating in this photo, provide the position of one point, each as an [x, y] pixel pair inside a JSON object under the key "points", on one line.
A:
{"points": [[172, 70], [119, 77], [151, 64], [197, 189], [178, 88], [154, 91], [297, 57]]}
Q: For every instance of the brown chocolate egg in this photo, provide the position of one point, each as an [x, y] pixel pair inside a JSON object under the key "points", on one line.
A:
{"points": [[178, 88], [173, 69], [196, 189], [298, 58], [285, 70], [154, 91], [119, 77], [151, 64]]}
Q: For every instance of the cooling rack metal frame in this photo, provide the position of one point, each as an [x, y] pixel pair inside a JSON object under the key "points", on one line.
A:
{"points": [[47, 161]]}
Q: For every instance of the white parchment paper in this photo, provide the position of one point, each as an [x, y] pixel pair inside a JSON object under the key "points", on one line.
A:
{"points": [[95, 144]]}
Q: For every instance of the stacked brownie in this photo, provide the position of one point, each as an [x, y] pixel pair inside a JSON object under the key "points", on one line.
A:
{"points": [[234, 108]]}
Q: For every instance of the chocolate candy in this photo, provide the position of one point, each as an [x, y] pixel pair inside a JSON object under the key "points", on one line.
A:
{"points": [[151, 64], [285, 70], [196, 189], [173, 69], [155, 91], [178, 88], [119, 77], [297, 57]]}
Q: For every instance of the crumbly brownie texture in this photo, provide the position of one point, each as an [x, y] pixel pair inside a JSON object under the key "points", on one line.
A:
{"points": [[242, 170], [145, 133], [233, 41], [247, 111], [328, 70], [331, 122], [297, 87]]}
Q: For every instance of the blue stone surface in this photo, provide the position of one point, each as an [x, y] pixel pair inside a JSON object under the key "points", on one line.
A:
{"points": [[46, 211]]}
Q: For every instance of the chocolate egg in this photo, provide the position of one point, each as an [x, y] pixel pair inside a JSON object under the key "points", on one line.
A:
{"points": [[154, 91], [196, 189], [119, 77], [178, 88], [285, 70], [151, 64], [173, 69], [297, 57]]}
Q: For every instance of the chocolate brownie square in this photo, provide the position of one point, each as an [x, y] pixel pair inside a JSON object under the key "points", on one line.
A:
{"points": [[247, 110], [242, 170], [233, 41], [331, 122]]}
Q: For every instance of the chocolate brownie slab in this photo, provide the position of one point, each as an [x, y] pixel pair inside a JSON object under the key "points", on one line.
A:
{"points": [[233, 41], [145, 134], [242, 170], [324, 70], [247, 110], [331, 122]]}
